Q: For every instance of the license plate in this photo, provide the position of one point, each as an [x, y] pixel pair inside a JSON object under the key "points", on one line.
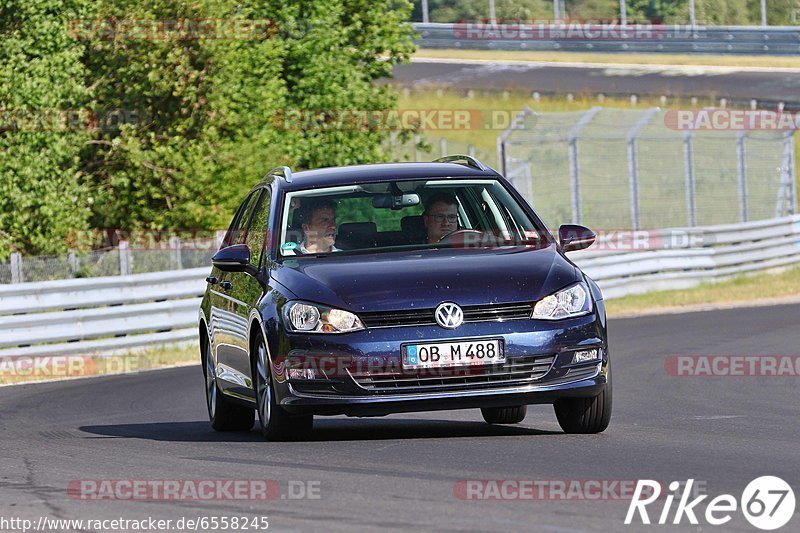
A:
{"points": [[462, 353]]}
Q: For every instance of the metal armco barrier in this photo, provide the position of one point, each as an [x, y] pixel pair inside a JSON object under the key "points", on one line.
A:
{"points": [[99, 315], [684, 257], [777, 40]]}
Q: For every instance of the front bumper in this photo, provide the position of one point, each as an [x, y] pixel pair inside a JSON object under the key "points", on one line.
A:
{"points": [[551, 345]]}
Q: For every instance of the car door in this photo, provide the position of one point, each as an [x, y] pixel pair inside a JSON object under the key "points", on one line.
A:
{"points": [[246, 290], [226, 327]]}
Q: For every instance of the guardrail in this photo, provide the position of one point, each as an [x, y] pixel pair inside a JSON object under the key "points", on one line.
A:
{"points": [[575, 36], [683, 258], [89, 315], [99, 315]]}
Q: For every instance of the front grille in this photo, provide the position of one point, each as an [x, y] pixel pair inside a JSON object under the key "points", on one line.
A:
{"points": [[425, 317], [515, 371]]}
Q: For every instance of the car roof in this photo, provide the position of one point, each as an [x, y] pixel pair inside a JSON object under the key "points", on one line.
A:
{"points": [[355, 174]]}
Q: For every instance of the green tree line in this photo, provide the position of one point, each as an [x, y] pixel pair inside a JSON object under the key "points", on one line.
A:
{"points": [[712, 12], [104, 127]]}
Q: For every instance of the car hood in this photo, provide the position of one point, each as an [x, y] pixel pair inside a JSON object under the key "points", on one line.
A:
{"points": [[425, 278]]}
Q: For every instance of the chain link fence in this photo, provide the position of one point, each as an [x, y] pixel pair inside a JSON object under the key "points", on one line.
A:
{"points": [[633, 169], [111, 262], [427, 148]]}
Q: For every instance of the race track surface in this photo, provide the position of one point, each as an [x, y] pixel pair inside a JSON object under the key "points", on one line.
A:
{"points": [[719, 82], [400, 471]]}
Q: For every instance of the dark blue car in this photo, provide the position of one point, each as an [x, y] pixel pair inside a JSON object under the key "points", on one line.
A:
{"points": [[377, 289]]}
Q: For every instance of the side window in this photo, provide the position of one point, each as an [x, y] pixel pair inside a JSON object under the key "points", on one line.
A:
{"points": [[244, 224], [259, 228], [230, 236]]}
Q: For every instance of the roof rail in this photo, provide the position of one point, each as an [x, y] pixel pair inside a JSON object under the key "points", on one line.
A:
{"points": [[284, 171], [467, 159]]}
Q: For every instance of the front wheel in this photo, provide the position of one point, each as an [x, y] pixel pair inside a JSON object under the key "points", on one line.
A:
{"points": [[223, 413], [585, 415], [276, 424]]}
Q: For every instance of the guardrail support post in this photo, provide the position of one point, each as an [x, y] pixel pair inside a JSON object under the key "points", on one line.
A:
{"points": [[688, 166], [741, 169], [175, 252], [393, 143], [73, 262], [792, 171], [787, 194], [16, 267], [124, 259]]}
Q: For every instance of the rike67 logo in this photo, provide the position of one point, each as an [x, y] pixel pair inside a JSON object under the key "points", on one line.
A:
{"points": [[767, 502]]}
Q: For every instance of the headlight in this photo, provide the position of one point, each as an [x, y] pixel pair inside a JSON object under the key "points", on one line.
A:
{"points": [[313, 318], [566, 303]]}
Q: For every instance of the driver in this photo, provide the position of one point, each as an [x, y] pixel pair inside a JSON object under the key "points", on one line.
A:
{"points": [[440, 216]]}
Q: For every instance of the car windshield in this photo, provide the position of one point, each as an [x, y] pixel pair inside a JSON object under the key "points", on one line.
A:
{"points": [[395, 215]]}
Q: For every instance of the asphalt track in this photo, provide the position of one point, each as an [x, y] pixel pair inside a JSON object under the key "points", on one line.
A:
{"points": [[399, 471], [737, 85]]}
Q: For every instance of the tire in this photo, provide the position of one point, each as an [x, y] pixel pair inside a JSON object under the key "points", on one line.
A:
{"points": [[504, 415], [275, 423], [224, 414], [585, 415]]}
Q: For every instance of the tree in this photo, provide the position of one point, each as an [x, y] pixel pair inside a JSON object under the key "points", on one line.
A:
{"points": [[43, 124], [213, 107]]}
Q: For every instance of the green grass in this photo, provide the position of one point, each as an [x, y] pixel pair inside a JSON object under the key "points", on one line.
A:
{"points": [[739, 289], [62, 367], [622, 58]]}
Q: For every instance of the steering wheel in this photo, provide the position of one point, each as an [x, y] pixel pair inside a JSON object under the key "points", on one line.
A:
{"points": [[459, 233]]}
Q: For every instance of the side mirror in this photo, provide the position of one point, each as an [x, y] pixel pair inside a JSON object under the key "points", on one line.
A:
{"points": [[573, 237], [234, 258]]}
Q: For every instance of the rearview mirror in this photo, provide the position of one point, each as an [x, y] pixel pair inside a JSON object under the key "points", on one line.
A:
{"points": [[398, 201], [574, 237]]}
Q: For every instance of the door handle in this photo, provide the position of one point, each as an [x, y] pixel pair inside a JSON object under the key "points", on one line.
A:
{"points": [[212, 280], [227, 285]]}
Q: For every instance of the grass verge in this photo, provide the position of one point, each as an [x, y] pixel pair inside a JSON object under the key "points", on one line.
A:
{"points": [[32, 369], [621, 58], [765, 288]]}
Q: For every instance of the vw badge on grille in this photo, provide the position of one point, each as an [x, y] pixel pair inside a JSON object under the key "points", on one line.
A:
{"points": [[449, 315]]}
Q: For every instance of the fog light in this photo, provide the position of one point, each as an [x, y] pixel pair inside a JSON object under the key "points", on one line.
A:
{"points": [[582, 356], [301, 373]]}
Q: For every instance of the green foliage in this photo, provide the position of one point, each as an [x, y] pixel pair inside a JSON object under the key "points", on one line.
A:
{"points": [[40, 75], [201, 117]]}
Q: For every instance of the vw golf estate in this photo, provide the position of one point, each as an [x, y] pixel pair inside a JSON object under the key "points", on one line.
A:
{"points": [[377, 289]]}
